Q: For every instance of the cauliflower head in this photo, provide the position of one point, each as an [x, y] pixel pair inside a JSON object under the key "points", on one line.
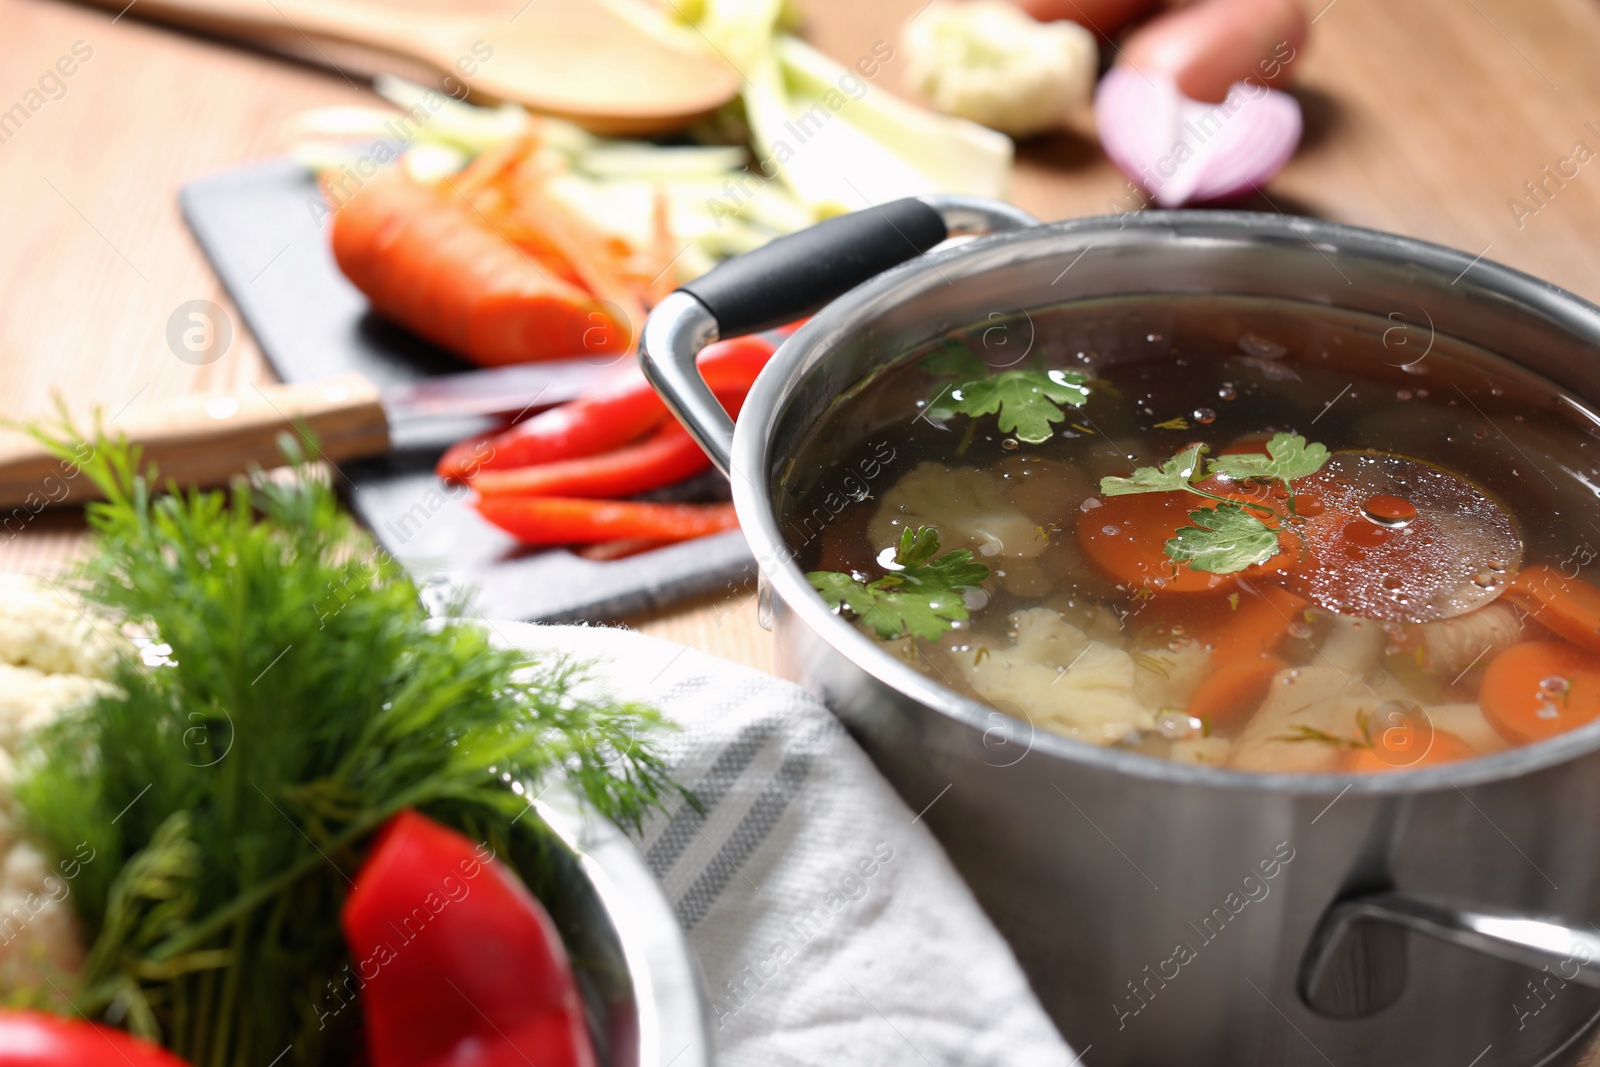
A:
{"points": [[52, 658], [967, 506], [1060, 679], [988, 61]]}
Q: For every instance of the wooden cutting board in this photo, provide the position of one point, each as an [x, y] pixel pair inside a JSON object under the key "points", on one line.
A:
{"points": [[312, 324]]}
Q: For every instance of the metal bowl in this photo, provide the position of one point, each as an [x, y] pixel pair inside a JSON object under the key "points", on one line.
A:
{"points": [[1136, 891], [639, 978]]}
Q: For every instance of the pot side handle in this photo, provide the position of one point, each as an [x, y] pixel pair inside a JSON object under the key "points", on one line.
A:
{"points": [[1356, 963], [788, 279]]}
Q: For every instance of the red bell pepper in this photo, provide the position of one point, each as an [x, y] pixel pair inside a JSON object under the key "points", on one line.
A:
{"points": [[667, 455], [461, 966], [35, 1039], [622, 410], [560, 520]]}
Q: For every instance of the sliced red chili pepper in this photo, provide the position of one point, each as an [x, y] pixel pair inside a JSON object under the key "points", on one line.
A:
{"points": [[618, 412], [667, 455], [559, 520], [460, 963], [35, 1039]]}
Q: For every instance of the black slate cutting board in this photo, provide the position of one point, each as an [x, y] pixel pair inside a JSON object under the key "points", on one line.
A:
{"points": [[261, 230]]}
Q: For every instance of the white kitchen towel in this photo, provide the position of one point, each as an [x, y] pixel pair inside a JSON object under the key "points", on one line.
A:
{"points": [[830, 926]]}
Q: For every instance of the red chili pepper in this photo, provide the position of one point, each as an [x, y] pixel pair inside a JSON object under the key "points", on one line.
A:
{"points": [[667, 455], [35, 1039], [460, 964], [616, 413], [560, 520]]}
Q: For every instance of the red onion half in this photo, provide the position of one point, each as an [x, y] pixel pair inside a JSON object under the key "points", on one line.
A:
{"points": [[1183, 151]]}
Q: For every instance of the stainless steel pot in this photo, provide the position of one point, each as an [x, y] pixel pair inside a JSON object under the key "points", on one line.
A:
{"points": [[1169, 913]]}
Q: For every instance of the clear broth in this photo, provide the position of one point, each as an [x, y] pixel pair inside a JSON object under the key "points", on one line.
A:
{"points": [[1056, 640]]}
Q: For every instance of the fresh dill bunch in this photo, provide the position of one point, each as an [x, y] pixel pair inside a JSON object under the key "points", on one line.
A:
{"points": [[229, 792]]}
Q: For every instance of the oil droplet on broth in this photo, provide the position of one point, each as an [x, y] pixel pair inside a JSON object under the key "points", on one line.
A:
{"points": [[1554, 685], [1204, 415], [1226, 391], [1387, 510]]}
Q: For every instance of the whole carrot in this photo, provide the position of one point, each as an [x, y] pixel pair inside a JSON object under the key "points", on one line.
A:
{"points": [[427, 259]]}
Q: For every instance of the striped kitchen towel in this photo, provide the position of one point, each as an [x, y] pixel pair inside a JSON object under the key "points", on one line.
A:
{"points": [[830, 926]]}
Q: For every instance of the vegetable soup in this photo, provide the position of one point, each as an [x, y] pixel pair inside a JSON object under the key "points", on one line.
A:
{"points": [[1229, 531]]}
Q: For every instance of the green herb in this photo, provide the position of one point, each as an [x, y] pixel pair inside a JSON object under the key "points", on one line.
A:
{"points": [[1321, 737], [1223, 540], [1229, 538], [1178, 473], [921, 599], [1026, 402], [1288, 457], [229, 796]]}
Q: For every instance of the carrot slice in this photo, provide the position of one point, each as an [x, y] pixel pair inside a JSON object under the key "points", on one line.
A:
{"points": [[1258, 626], [1234, 689], [1395, 749], [1539, 689], [1126, 536], [557, 520], [1567, 606]]}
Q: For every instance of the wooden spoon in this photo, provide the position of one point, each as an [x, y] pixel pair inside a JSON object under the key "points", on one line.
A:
{"points": [[576, 59]]}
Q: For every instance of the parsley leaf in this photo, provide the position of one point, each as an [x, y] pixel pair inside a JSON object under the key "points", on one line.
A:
{"points": [[954, 360], [921, 599], [1288, 457], [1175, 474], [1026, 401], [1223, 540]]}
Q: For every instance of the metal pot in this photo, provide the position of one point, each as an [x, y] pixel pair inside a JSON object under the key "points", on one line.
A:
{"points": [[1169, 913]]}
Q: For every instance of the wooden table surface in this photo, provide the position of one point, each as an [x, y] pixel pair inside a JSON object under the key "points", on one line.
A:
{"points": [[1426, 117]]}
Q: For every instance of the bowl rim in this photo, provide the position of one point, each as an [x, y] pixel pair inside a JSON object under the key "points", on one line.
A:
{"points": [[757, 516]]}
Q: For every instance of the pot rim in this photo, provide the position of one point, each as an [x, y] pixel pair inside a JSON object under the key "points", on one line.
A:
{"points": [[758, 519]]}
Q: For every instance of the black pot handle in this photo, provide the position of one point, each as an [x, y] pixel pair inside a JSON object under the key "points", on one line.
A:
{"points": [[794, 276], [789, 279]]}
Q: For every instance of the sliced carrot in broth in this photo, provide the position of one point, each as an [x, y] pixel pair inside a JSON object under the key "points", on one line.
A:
{"points": [[1234, 689], [1567, 606], [1400, 750], [1258, 626], [1126, 537], [1538, 689]]}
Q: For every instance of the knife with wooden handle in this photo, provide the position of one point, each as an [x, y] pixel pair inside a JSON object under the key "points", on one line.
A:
{"points": [[206, 440]]}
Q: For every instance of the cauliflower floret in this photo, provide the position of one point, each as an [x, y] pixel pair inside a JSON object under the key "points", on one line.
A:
{"points": [[1309, 717], [51, 659], [988, 61], [1205, 751], [39, 934], [1169, 676], [43, 629], [1060, 679], [31, 700], [967, 506]]}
